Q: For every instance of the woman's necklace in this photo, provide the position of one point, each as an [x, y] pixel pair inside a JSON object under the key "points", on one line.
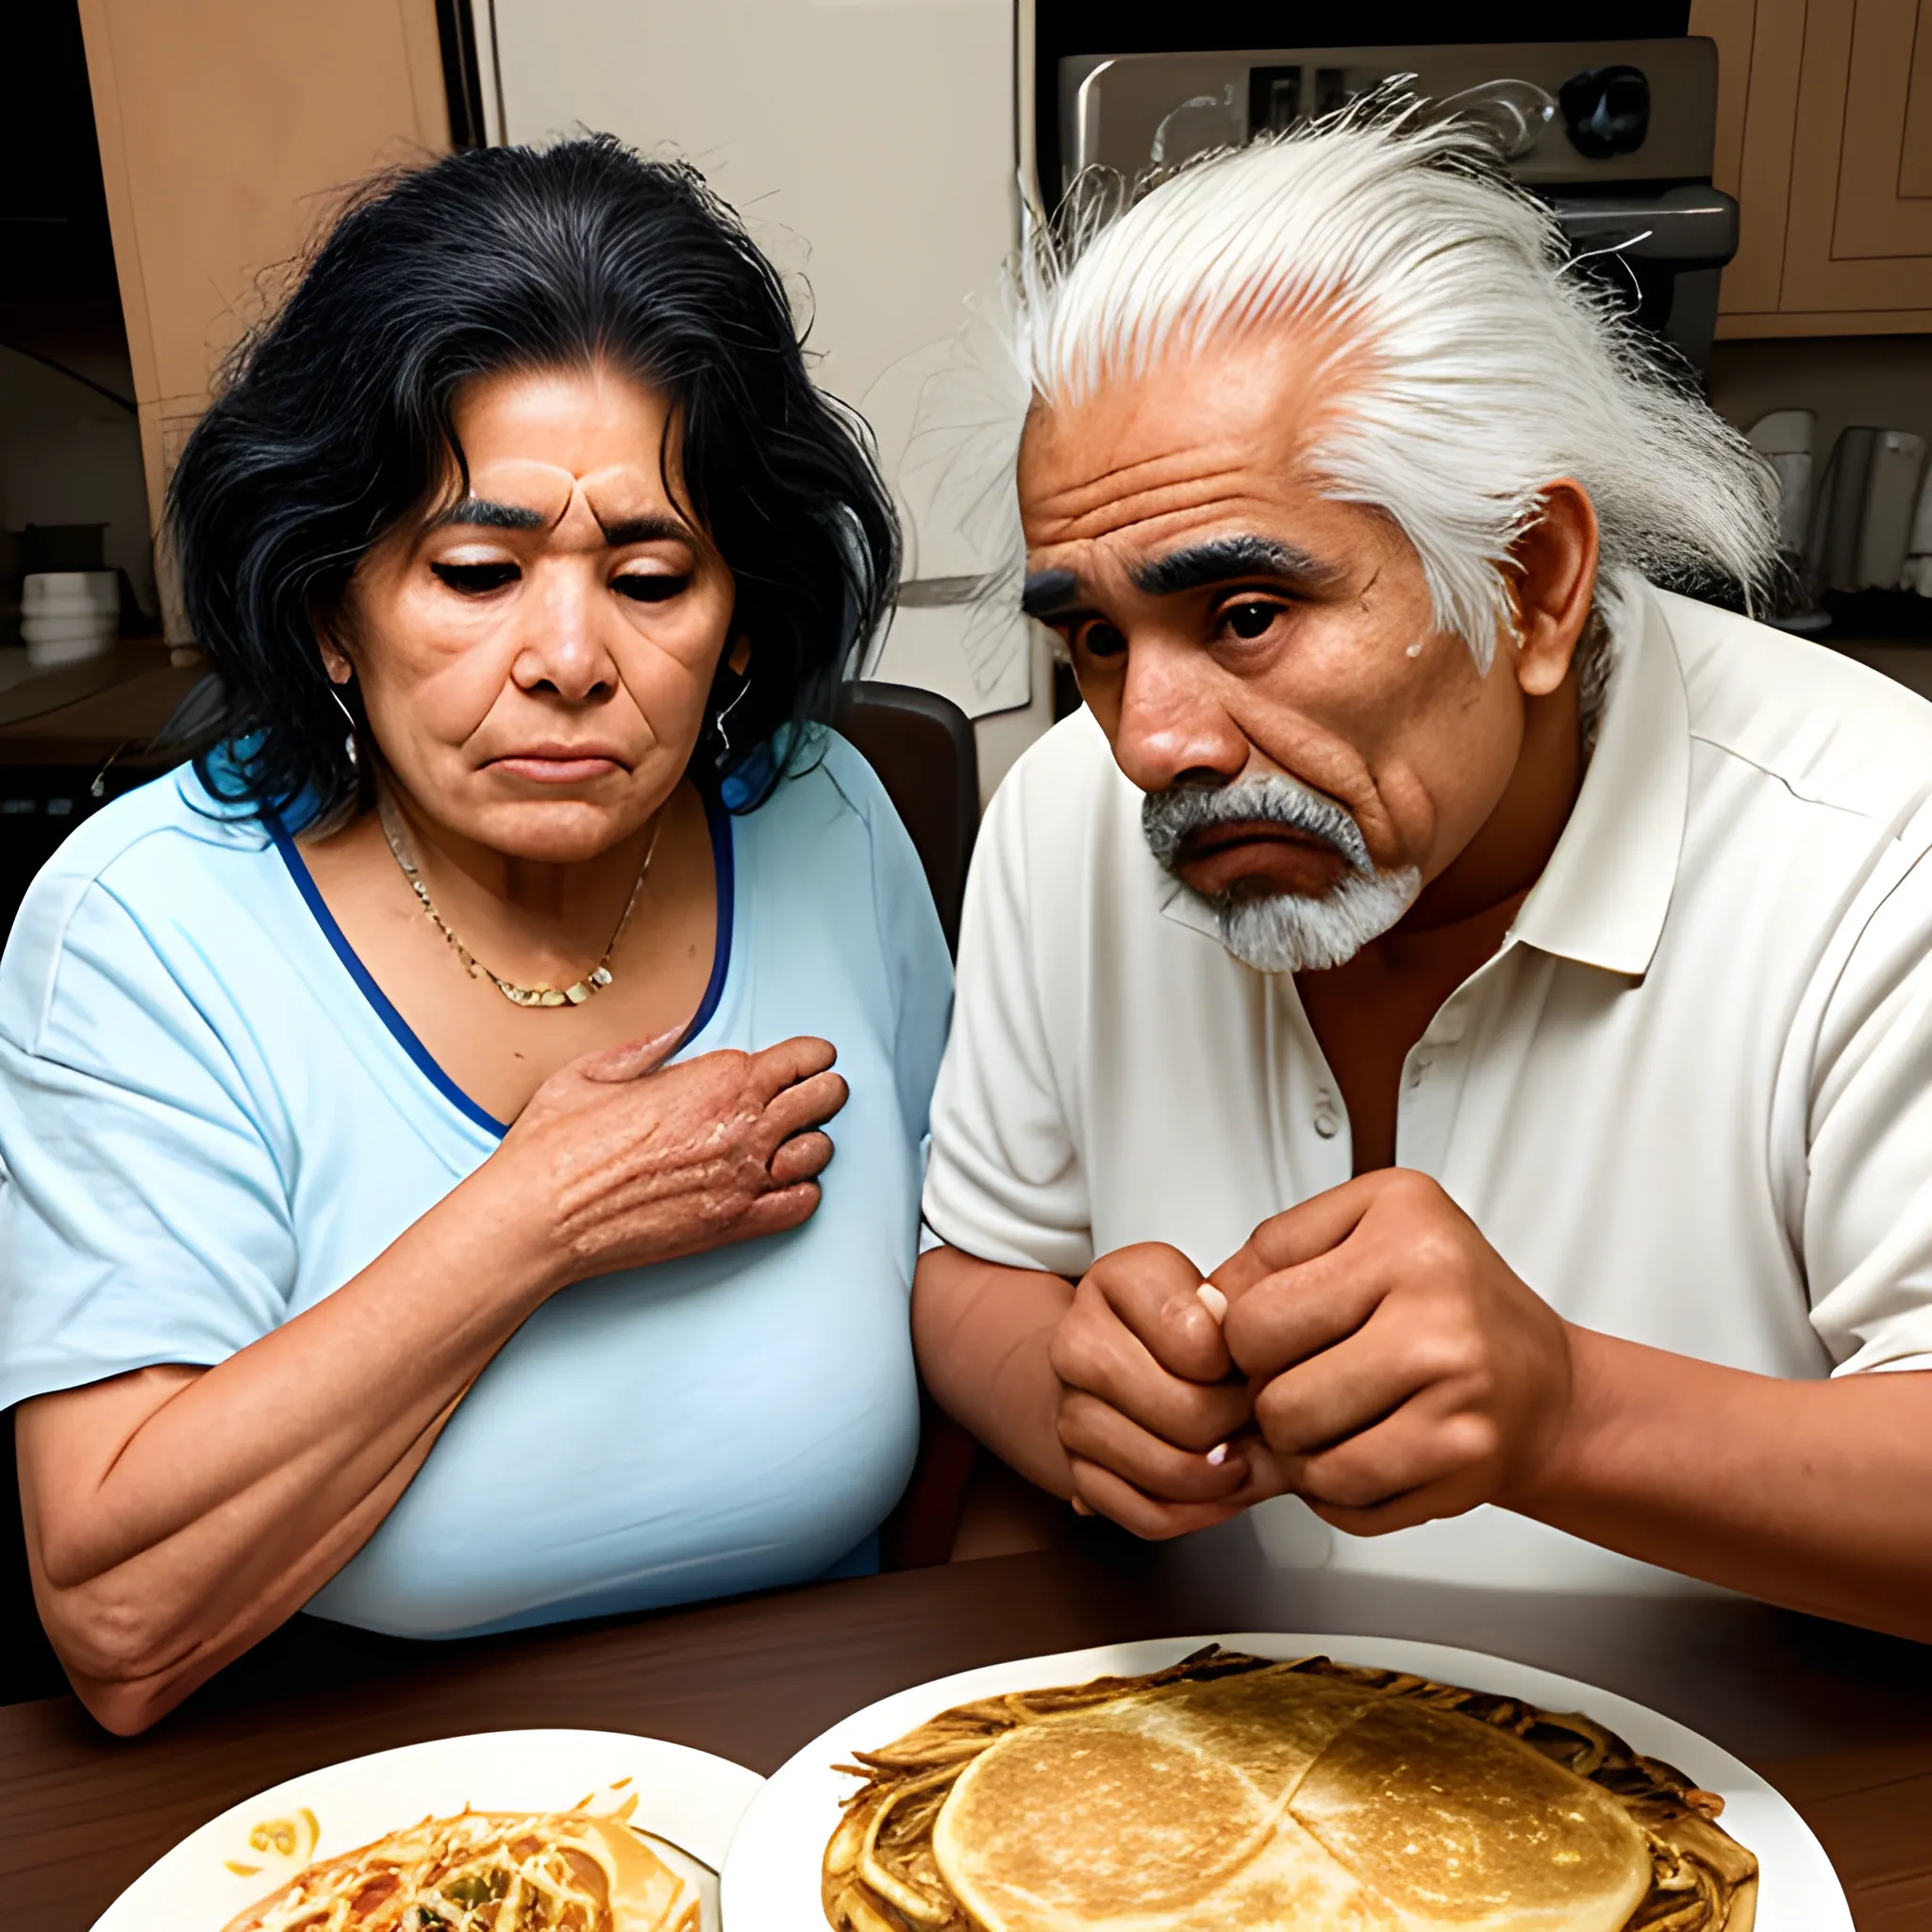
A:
{"points": [[596, 980]]}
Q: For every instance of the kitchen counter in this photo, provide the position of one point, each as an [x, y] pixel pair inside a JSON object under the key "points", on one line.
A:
{"points": [[86, 713]]}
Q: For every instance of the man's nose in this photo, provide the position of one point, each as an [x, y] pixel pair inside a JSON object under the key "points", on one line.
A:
{"points": [[1172, 722], [563, 648]]}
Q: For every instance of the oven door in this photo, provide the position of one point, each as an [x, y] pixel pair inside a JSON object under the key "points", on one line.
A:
{"points": [[1662, 253]]}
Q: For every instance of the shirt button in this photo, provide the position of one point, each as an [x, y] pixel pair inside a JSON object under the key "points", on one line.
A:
{"points": [[1326, 1125]]}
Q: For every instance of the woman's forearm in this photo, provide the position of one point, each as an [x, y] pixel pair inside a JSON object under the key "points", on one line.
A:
{"points": [[1814, 1494], [982, 1333], [131, 1660], [175, 1516]]}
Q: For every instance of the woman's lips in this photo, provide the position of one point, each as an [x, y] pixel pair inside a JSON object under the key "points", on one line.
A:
{"points": [[547, 766]]}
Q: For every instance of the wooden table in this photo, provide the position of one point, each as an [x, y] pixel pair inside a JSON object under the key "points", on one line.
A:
{"points": [[1841, 1722]]}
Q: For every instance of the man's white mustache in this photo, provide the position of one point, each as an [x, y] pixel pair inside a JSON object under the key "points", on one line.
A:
{"points": [[1171, 818]]}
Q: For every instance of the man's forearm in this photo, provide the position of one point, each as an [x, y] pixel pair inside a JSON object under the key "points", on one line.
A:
{"points": [[1817, 1496], [982, 1333]]}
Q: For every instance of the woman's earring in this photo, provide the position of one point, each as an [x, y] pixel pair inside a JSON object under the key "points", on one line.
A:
{"points": [[349, 742], [718, 723]]}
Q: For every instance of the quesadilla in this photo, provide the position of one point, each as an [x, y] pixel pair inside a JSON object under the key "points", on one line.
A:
{"points": [[488, 1872], [1235, 1794]]}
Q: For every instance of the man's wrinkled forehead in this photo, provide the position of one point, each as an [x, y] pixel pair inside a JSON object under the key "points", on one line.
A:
{"points": [[1177, 475], [1261, 394]]}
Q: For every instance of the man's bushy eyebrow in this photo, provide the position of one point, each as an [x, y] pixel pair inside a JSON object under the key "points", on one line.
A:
{"points": [[1047, 593], [1200, 566], [1051, 593]]}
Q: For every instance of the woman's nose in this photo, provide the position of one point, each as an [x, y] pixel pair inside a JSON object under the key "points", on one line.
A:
{"points": [[563, 648], [1172, 723]]}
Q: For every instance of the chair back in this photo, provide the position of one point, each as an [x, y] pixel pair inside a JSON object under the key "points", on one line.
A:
{"points": [[28, 1667], [920, 746]]}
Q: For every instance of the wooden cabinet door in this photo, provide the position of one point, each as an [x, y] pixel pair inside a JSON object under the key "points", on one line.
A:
{"points": [[1760, 46], [1860, 234], [229, 129], [1824, 135]]}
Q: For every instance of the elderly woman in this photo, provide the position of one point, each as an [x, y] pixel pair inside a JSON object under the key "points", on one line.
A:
{"points": [[415, 1112]]}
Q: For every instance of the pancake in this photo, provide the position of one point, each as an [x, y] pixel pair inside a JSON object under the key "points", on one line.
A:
{"points": [[487, 1872], [1237, 1794]]}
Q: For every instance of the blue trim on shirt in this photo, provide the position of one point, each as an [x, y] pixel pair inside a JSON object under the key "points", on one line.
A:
{"points": [[723, 872], [406, 1038]]}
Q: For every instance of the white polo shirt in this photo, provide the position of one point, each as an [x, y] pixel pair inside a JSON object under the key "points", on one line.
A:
{"points": [[1688, 1101]]}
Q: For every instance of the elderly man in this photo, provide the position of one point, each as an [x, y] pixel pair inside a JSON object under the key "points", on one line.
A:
{"points": [[1447, 1033]]}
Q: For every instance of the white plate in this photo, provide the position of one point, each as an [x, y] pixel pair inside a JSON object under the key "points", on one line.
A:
{"points": [[772, 1876], [685, 1800]]}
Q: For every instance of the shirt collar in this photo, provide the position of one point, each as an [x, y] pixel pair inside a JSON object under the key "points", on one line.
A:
{"points": [[1603, 896]]}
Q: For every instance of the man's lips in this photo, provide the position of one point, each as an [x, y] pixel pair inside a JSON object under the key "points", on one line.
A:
{"points": [[1221, 837], [1275, 857], [560, 764]]}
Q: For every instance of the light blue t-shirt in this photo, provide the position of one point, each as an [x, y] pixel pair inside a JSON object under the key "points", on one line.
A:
{"points": [[210, 1118]]}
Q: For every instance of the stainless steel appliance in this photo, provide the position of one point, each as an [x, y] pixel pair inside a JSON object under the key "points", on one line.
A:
{"points": [[1862, 520], [1616, 135]]}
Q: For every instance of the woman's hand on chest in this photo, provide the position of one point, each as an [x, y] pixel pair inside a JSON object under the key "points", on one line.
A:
{"points": [[622, 1162]]}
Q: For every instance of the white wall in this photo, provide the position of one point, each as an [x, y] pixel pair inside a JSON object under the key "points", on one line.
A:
{"points": [[868, 142]]}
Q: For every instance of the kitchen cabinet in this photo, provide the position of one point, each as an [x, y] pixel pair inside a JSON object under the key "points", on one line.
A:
{"points": [[229, 132], [1824, 135]]}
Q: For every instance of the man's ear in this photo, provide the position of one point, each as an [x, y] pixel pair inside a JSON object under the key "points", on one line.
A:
{"points": [[1552, 581]]}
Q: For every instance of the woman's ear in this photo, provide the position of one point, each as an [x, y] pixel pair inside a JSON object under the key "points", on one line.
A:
{"points": [[337, 665], [740, 660], [1552, 583]]}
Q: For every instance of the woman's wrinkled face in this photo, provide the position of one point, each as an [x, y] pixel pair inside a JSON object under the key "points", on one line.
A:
{"points": [[535, 656]]}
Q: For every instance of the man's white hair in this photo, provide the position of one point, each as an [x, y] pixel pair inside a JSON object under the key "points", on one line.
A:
{"points": [[1479, 364]]}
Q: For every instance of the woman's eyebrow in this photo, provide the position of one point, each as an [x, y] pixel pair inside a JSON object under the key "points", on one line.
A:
{"points": [[643, 529], [477, 512]]}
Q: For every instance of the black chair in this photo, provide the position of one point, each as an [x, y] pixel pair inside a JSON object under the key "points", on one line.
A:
{"points": [[922, 747], [28, 1667]]}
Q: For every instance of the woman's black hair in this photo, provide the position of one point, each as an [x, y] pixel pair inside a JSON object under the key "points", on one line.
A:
{"points": [[336, 422]]}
